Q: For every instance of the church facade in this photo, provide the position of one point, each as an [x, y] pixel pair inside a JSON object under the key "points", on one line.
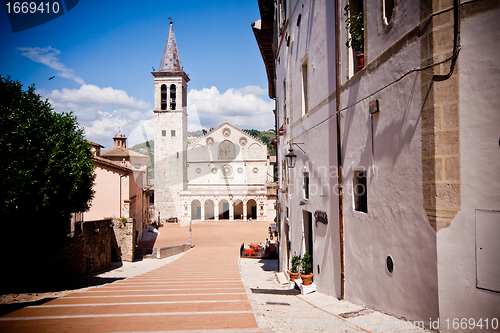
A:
{"points": [[224, 175]]}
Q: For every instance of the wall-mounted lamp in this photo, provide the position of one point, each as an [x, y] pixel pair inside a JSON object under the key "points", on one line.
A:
{"points": [[291, 158]]}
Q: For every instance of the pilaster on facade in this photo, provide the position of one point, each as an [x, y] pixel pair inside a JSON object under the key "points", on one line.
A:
{"points": [[440, 114]]}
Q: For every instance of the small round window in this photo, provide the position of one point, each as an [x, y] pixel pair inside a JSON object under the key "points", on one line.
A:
{"points": [[389, 264]]}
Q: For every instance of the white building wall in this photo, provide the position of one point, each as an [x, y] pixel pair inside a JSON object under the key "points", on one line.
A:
{"points": [[479, 72], [434, 272], [315, 133]]}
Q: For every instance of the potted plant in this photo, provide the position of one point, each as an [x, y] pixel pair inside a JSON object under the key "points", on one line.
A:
{"points": [[294, 272], [355, 26], [306, 265]]}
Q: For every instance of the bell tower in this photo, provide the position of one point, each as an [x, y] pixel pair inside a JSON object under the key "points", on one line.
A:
{"points": [[170, 131]]}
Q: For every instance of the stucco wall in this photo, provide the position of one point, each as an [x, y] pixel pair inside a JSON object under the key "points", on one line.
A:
{"points": [[395, 223], [315, 134], [106, 202], [434, 273], [479, 72]]}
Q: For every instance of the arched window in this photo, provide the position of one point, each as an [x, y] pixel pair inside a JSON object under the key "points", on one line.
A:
{"points": [[163, 97], [172, 96]]}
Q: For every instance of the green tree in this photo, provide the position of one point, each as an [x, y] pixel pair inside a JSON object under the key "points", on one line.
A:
{"points": [[48, 165]]}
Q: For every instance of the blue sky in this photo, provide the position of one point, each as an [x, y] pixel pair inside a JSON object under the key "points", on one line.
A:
{"points": [[102, 54]]}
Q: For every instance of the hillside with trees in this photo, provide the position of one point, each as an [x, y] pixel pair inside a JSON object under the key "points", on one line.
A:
{"points": [[147, 148]]}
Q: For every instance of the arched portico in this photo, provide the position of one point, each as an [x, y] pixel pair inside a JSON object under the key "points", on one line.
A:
{"points": [[209, 210], [195, 210], [223, 209], [252, 209], [238, 209]]}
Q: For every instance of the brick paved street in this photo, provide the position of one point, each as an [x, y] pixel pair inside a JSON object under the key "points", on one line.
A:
{"points": [[202, 290]]}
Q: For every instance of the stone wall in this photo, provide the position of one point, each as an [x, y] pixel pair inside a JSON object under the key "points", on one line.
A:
{"points": [[124, 244], [81, 255], [100, 243]]}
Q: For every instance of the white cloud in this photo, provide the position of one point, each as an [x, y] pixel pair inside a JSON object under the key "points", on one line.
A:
{"points": [[93, 95], [101, 111], [246, 108], [48, 56]]}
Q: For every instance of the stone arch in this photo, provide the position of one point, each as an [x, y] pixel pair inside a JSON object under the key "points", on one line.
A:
{"points": [[223, 209], [255, 151], [197, 153], [195, 210], [252, 209], [209, 210], [238, 209]]}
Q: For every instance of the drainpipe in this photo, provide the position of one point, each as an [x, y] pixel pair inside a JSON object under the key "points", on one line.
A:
{"points": [[339, 150]]}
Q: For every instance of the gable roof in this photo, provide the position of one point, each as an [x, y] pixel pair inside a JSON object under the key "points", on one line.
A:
{"points": [[122, 152], [115, 165]]}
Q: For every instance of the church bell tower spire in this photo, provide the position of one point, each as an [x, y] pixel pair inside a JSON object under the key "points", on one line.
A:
{"points": [[170, 130], [170, 60]]}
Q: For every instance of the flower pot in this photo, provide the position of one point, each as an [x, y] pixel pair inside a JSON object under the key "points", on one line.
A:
{"points": [[361, 61], [306, 279], [293, 276]]}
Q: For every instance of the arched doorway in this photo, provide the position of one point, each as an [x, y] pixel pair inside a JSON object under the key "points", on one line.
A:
{"points": [[223, 210], [195, 210], [252, 209], [209, 210], [238, 210]]}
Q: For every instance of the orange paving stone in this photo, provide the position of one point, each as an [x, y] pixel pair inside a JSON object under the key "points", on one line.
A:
{"points": [[149, 298], [199, 291]]}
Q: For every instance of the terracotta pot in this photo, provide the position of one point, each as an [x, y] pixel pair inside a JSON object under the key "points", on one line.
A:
{"points": [[306, 279], [293, 276], [361, 61]]}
